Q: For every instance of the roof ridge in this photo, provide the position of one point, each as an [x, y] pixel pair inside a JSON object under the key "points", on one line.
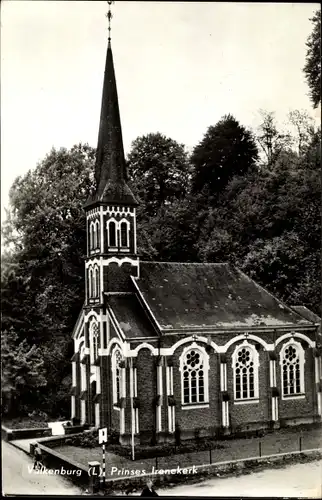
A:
{"points": [[186, 263]]}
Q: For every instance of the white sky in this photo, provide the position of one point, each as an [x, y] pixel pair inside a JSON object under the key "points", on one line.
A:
{"points": [[179, 66]]}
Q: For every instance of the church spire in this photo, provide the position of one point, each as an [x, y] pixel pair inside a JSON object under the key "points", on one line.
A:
{"points": [[110, 167]]}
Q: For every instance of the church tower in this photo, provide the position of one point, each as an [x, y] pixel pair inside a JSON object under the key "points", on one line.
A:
{"points": [[111, 209]]}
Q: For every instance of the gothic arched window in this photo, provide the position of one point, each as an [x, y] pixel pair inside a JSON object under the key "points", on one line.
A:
{"points": [[111, 232], [292, 369], [90, 282], [94, 336], [117, 358], [97, 235], [245, 368], [194, 366], [91, 236], [96, 281], [124, 234]]}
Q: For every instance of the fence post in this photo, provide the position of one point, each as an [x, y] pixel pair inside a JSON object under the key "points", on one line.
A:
{"points": [[210, 457], [156, 462], [300, 443], [260, 448]]}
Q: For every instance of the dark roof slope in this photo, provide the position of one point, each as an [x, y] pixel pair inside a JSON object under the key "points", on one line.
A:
{"points": [[209, 295], [130, 316], [307, 313]]}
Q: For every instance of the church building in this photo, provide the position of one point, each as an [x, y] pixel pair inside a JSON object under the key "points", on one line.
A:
{"points": [[163, 348]]}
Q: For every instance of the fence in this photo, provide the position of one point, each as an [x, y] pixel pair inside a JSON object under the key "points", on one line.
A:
{"points": [[236, 450], [225, 450]]}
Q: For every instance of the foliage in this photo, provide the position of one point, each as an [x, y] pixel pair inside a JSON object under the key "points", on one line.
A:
{"points": [[23, 371], [227, 149], [42, 275], [270, 139], [268, 223], [158, 168], [312, 68], [89, 439]]}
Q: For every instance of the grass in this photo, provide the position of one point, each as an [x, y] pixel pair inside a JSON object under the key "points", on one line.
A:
{"points": [[286, 440], [24, 423]]}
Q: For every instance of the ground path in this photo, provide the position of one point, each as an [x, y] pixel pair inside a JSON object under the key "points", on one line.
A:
{"points": [[16, 478], [299, 480]]}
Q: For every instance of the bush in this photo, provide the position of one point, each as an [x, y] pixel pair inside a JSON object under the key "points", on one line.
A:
{"points": [[38, 414], [165, 449], [85, 440]]}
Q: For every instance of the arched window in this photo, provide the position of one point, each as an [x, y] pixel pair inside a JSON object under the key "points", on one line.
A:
{"points": [[97, 232], [111, 231], [194, 366], [83, 368], [292, 369], [90, 282], [91, 235], [245, 367], [97, 281], [124, 234], [117, 358], [93, 335], [94, 236]]}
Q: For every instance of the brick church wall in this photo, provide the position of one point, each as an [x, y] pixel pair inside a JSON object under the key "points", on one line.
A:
{"points": [[146, 390], [204, 419], [249, 416], [298, 409]]}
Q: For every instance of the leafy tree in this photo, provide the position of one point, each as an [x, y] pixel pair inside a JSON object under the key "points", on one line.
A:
{"points": [[226, 150], [22, 372], [43, 278], [304, 128], [173, 231], [159, 170], [271, 141], [268, 223], [312, 68]]}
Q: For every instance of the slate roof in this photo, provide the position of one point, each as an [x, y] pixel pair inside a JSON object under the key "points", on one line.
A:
{"points": [[211, 296], [110, 166], [307, 313], [130, 316]]}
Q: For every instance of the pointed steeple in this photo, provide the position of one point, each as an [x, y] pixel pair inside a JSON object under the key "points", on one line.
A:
{"points": [[110, 167]]}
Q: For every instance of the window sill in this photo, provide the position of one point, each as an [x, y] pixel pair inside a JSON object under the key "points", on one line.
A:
{"points": [[194, 406], [116, 408], [124, 249], [246, 401], [294, 396]]}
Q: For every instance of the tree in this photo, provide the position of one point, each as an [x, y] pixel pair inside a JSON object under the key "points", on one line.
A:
{"points": [[173, 231], [159, 170], [268, 223], [22, 372], [43, 276], [272, 141], [312, 68], [227, 149], [304, 128]]}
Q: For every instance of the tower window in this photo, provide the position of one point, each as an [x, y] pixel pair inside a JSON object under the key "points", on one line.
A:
{"points": [[124, 234], [117, 375], [93, 333], [111, 230], [90, 282], [96, 235], [96, 282]]}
